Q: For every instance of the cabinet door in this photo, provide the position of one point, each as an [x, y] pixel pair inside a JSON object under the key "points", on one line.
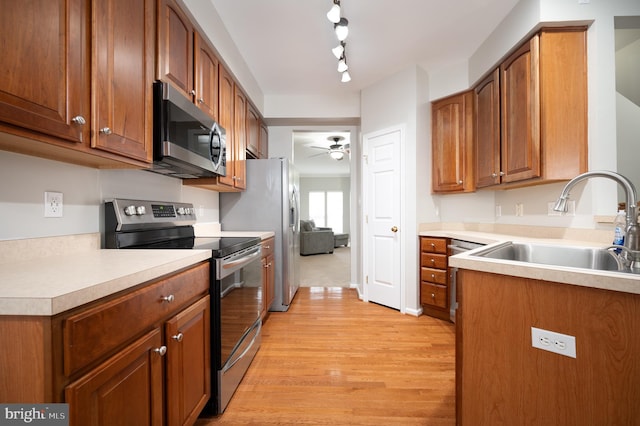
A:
{"points": [[253, 131], [123, 61], [452, 144], [240, 138], [206, 76], [487, 131], [264, 141], [175, 47], [45, 74], [225, 110], [520, 93], [188, 363], [125, 390]]}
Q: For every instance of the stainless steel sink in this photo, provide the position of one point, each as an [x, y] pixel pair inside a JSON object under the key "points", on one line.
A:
{"points": [[571, 256]]}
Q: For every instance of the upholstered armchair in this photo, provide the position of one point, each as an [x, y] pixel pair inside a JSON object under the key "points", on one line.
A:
{"points": [[314, 240]]}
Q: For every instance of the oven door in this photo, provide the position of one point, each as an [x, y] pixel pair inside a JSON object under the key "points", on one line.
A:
{"points": [[240, 282]]}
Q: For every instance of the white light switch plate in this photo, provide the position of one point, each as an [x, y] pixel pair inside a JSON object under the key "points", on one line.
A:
{"points": [[551, 341]]}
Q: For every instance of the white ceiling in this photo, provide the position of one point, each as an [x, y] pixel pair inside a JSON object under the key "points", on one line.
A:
{"points": [[287, 43]]}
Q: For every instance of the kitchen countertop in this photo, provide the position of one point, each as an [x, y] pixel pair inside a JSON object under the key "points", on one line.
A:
{"points": [[54, 284], [606, 280], [47, 276]]}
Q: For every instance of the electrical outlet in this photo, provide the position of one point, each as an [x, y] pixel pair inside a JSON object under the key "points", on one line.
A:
{"points": [[551, 341], [53, 204]]}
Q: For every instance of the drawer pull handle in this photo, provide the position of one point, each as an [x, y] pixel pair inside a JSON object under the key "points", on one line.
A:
{"points": [[170, 298], [162, 350], [433, 275], [433, 261], [433, 295], [178, 337], [433, 245]]}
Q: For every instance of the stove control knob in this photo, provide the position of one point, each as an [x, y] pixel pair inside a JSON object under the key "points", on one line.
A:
{"points": [[130, 210], [140, 210], [180, 210]]}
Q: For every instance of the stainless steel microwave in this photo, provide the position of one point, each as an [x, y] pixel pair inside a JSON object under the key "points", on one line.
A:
{"points": [[187, 143]]}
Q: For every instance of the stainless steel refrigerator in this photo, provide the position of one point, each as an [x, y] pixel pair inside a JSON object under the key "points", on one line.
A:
{"points": [[271, 202]]}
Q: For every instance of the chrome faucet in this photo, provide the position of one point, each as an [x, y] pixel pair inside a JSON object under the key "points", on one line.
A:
{"points": [[632, 237]]}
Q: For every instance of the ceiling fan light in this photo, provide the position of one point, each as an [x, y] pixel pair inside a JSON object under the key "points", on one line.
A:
{"points": [[336, 155], [346, 77], [333, 15], [338, 51], [342, 29], [342, 65]]}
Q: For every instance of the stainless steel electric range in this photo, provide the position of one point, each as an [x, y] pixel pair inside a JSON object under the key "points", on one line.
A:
{"points": [[235, 281]]}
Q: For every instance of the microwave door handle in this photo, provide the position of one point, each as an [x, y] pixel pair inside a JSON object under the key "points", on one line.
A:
{"points": [[212, 134]]}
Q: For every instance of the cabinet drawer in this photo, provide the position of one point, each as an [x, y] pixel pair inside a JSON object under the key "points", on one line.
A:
{"points": [[96, 331], [438, 276], [433, 294], [432, 260], [433, 245], [267, 247]]}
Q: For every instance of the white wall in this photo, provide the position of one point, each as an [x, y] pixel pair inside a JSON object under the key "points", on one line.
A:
{"points": [[25, 179]]}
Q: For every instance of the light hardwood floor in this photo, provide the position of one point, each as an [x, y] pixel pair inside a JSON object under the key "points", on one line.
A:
{"points": [[335, 360]]}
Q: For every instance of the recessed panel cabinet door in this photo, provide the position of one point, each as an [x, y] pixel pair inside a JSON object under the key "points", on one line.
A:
{"points": [[206, 77], [520, 88], [127, 386], [44, 83], [188, 363], [487, 131], [123, 64]]}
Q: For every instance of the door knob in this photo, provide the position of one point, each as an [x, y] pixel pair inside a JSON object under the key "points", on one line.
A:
{"points": [[394, 229]]}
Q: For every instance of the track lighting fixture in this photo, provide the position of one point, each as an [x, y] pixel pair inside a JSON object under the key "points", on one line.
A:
{"points": [[341, 28], [334, 13]]}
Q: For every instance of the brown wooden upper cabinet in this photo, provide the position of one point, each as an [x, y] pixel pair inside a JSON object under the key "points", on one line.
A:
{"points": [[186, 59], [78, 74], [531, 113], [452, 144]]}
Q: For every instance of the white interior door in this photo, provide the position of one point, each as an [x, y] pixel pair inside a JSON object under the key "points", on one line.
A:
{"points": [[382, 249]]}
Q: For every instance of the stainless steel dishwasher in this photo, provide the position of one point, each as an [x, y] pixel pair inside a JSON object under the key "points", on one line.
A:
{"points": [[456, 247]]}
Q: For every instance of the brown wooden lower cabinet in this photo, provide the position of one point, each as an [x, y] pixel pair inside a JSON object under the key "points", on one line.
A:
{"points": [[140, 357], [434, 277], [502, 380]]}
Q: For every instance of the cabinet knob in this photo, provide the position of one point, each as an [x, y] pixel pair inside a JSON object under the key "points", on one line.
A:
{"points": [[106, 131], [78, 119], [433, 276], [201, 100], [192, 92], [162, 350], [460, 182], [433, 295], [494, 175], [433, 245], [178, 337], [433, 261], [501, 173], [170, 298]]}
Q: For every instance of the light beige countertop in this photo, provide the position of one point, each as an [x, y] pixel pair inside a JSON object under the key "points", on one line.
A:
{"points": [[47, 276], [213, 229], [606, 280]]}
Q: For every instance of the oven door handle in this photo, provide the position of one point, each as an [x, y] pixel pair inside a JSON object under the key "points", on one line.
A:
{"points": [[234, 360], [243, 260]]}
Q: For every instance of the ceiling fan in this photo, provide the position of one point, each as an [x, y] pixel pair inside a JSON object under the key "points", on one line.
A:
{"points": [[336, 150]]}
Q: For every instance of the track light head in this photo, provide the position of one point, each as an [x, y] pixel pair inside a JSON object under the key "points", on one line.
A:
{"points": [[342, 29]]}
